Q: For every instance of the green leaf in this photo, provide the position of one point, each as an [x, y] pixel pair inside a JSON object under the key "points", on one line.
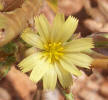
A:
{"points": [[9, 48], [100, 40], [10, 60], [5, 66], [101, 44]]}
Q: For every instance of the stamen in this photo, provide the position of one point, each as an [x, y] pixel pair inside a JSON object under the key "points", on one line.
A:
{"points": [[53, 51]]}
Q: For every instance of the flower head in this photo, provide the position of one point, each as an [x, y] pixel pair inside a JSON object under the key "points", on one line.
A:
{"points": [[57, 57]]}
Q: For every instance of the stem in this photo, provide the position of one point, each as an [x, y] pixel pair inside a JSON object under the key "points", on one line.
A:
{"points": [[68, 95]]}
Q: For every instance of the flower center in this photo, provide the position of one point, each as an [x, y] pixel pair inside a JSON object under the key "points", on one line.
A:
{"points": [[53, 51]]}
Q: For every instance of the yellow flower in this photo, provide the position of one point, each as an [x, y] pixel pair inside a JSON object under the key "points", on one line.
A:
{"points": [[57, 57]]}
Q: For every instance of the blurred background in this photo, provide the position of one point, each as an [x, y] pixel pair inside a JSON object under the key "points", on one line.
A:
{"points": [[93, 84]]}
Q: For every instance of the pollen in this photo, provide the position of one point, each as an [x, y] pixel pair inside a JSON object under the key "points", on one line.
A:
{"points": [[53, 51]]}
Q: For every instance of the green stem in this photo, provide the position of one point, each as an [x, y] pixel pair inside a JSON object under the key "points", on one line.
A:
{"points": [[68, 96]]}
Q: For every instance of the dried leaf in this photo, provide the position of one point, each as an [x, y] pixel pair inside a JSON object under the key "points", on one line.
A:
{"points": [[69, 7], [9, 5], [100, 63], [12, 27], [53, 5]]}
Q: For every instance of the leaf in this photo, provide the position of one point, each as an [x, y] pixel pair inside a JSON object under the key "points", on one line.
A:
{"points": [[53, 4], [10, 60], [100, 59], [100, 39], [100, 63], [5, 66], [9, 48], [3, 70], [101, 42]]}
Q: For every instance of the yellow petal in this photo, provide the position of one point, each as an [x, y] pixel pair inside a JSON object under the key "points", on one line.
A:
{"points": [[56, 28], [43, 27], [50, 78], [31, 38], [29, 62], [79, 45], [70, 67], [79, 59], [68, 28], [38, 72], [64, 77]]}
